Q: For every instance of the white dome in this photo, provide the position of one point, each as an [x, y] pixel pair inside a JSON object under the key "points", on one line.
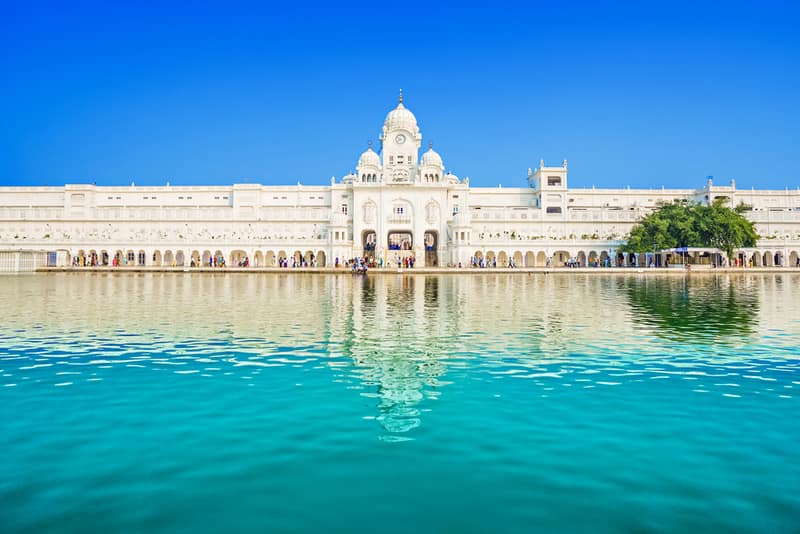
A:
{"points": [[450, 178], [369, 157], [432, 158], [400, 118], [348, 179]]}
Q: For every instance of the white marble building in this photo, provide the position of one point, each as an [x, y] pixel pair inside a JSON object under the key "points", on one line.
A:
{"points": [[398, 203]]}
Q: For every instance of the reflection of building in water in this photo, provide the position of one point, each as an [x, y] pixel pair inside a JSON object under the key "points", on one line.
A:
{"points": [[400, 340], [392, 331], [398, 198], [715, 309]]}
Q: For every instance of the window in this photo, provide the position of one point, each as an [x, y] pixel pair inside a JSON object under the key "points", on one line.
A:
{"points": [[554, 209], [398, 210], [391, 160], [344, 209], [400, 160], [455, 210], [553, 180]]}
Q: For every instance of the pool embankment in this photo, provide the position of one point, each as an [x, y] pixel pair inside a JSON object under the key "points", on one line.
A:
{"points": [[623, 271]]}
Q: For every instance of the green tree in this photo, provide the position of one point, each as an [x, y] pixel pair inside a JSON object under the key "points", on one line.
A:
{"points": [[681, 224], [724, 228]]}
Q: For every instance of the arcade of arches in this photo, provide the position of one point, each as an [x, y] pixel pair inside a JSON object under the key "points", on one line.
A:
{"points": [[401, 245]]}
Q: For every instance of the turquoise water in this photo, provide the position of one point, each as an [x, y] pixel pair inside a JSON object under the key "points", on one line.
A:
{"points": [[484, 403]]}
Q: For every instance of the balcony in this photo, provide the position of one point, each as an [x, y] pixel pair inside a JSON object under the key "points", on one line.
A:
{"points": [[398, 218]]}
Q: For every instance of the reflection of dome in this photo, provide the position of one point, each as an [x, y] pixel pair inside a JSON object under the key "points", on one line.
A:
{"points": [[369, 157], [431, 158]]}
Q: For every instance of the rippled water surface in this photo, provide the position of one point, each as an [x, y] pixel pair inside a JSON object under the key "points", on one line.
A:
{"points": [[460, 403]]}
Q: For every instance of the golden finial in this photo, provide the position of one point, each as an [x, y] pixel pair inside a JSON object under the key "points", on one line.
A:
{"points": [[430, 145], [400, 100], [369, 144]]}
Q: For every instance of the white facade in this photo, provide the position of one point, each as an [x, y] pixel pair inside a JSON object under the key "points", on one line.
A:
{"points": [[399, 203]]}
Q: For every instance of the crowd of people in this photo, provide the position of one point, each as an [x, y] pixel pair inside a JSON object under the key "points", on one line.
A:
{"points": [[484, 263]]}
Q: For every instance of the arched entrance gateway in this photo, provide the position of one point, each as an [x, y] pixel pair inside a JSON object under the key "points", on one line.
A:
{"points": [[368, 241], [400, 241], [401, 246], [431, 248]]}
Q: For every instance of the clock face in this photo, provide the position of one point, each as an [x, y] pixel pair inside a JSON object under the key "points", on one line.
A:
{"points": [[400, 139]]}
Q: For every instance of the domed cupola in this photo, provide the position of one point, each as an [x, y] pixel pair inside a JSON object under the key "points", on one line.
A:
{"points": [[400, 118], [431, 167], [431, 158], [369, 158], [369, 166]]}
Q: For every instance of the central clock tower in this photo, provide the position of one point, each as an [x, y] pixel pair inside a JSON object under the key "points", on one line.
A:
{"points": [[400, 142]]}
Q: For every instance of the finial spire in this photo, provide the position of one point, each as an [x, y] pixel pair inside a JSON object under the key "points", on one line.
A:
{"points": [[400, 100], [369, 144], [430, 145]]}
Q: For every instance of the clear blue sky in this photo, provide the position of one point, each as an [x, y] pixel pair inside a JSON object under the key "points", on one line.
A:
{"points": [[642, 94]]}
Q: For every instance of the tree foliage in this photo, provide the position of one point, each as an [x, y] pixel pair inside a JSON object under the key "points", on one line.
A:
{"points": [[681, 224]]}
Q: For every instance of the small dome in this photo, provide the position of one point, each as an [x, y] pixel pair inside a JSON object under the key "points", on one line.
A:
{"points": [[432, 158], [369, 157], [451, 178], [348, 179]]}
